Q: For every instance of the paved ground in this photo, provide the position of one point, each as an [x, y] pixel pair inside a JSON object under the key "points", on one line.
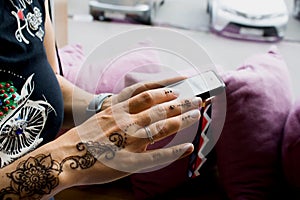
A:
{"points": [[190, 18]]}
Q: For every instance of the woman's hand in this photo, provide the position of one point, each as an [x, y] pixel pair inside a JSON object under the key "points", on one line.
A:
{"points": [[140, 115], [108, 146]]}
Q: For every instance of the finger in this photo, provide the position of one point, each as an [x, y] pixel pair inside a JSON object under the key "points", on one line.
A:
{"points": [[131, 162], [141, 87], [164, 128], [167, 110], [163, 157], [150, 98]]}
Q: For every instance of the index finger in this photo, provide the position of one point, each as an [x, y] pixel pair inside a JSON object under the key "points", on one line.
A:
{"points": [[138, 88]]}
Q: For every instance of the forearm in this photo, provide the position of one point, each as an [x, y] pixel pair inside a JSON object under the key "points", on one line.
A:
{"points": [[51, 168], [75, 100], [72, 96], [108, 146], [39, 173]]}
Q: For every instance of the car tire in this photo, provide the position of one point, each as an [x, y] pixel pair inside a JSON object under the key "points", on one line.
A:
{"points": [[98, 15], [150, 15]]}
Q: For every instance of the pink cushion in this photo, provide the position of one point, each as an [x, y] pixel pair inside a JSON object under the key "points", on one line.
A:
{"points": [[98, 77], [291, 147], [258, 102], [71, 56], [258, 97]]}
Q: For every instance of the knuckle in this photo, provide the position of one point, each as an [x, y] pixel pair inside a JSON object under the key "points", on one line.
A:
{"points": [[151, 85], [138, 88], [159, 111], [142, 119], [162, 129], [147, 98], [157, 156]]}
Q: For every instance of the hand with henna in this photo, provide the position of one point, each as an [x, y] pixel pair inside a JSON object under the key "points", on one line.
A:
{"points": [[138, 116], [108, 146]]}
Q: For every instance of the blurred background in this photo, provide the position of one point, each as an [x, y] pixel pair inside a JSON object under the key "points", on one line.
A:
{"points": [[189, 17]]}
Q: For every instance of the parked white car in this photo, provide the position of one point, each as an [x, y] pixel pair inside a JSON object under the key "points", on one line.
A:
{"points": [[262, 20], [141, 10]]}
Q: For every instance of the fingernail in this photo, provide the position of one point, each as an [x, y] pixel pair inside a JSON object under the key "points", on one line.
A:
{"points": [[195, 113], [197, 102], [187, 146]]}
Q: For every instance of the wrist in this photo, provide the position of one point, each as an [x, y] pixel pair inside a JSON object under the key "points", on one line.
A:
{"points": [[69, 157], [97, 103]]}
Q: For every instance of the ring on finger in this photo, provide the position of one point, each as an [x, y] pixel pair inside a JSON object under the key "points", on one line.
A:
{"points": [[149, 134]]}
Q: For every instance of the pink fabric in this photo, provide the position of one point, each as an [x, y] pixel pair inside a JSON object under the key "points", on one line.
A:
{"points": [[258, 98], [71, 56], [258, 101], [100, 77]]}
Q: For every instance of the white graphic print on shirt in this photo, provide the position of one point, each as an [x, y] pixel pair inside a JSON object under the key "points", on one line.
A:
{"points": [[32, 22], [20, 128]]}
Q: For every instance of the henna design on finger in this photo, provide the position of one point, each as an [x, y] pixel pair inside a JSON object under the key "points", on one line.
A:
{"points": [[187, 103], [156, 156], [185, 117], [172, 107], [177, 151], [168, 92]]}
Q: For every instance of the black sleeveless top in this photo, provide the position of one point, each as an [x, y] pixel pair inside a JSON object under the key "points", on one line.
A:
{"points": [[31, 104]]}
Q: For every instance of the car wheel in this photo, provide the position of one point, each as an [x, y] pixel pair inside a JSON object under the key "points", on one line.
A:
{"points": [[98, 15], [153, 13], [150, 15]]}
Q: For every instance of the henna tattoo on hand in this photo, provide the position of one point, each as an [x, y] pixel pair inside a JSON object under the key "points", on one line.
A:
{"points": [[38, 176], [168, 92], [97, 150], [129, 125], [118, 139], [83, 162], [32, 179], [187, 103], [172, 107], [185, 118]]}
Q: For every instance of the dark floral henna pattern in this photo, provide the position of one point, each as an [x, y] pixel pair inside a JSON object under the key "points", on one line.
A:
{"points": [[33, 178], [83, 162], [97, 150], [118, 139], [38, 176]]}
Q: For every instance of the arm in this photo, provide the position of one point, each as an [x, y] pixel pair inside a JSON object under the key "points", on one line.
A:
{"points": [[72, 95], [108, 146]]}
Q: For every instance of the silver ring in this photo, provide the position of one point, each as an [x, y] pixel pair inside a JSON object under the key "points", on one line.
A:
{"points": [[149, 134]]}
